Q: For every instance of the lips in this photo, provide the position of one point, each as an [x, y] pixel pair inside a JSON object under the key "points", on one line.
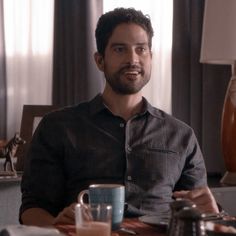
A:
{"points": [[132, 76], [132, 73]]}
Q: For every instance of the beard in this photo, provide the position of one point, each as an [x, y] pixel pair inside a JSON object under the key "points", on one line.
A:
{"points": [[124, 86]]}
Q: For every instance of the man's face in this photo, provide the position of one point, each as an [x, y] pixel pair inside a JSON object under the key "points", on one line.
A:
{"points": [[127, 59]]}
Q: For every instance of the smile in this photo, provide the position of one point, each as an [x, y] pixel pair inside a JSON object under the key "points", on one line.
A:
{"points": [[132, 73]]}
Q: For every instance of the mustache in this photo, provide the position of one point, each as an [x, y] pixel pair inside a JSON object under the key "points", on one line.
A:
{"points": [[131, 67]]}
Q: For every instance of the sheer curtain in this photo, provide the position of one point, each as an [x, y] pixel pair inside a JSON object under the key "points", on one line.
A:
{"points": [[2, 78], [29, 39], [158, 90]]}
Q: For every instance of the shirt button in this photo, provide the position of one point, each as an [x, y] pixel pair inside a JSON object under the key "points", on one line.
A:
{"points": [[129, 177], [129, 149], [122, 125]]}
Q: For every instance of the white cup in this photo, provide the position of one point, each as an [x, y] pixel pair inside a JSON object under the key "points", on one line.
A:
{"points": [[93, 219]]}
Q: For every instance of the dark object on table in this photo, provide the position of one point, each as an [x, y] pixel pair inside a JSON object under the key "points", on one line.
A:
{"points": [[176, 206], [190, 222], [9, 151]]}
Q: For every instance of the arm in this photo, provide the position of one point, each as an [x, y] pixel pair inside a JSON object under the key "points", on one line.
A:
{"points": [[37, 216], [193, 174], [192, 184], [40, 217], [43, 180]]}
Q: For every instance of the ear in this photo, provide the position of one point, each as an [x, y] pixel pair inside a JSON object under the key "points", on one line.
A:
{"points": [[99, 61]]}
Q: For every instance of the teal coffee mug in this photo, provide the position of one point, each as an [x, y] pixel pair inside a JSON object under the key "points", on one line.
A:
{"points": [[112, 194]]}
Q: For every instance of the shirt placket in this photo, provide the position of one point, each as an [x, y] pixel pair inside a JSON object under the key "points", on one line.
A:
{"points": [[128, 154]]}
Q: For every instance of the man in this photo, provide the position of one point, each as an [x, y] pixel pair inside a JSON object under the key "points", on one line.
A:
{"points": [[117, 137]]}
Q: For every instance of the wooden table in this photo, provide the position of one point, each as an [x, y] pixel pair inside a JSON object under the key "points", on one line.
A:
{"points": [[130, 223]]}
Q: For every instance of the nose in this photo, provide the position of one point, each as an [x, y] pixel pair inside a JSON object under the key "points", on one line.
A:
{"points": [[132, 56]]}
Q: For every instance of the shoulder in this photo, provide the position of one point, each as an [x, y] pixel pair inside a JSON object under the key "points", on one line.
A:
{"points": [[170, 122], [67, 113], [165, 119], [80, 111]]}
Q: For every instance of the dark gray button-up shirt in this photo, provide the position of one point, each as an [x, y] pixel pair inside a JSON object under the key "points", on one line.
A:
{"points": [[152, 154]]}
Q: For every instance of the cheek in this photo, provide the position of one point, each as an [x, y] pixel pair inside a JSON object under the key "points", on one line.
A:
{"points": [[148, 65], [112, 61], [111, 66]]}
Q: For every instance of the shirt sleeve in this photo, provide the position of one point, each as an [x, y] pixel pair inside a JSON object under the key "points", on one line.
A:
{"points": [[194, 170], [43, 180]]}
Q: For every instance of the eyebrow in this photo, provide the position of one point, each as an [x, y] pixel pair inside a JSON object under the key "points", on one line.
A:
{"points": [[124, 44]]}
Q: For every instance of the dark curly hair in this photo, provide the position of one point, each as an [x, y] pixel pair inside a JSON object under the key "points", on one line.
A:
{"points": [[110, 20]]}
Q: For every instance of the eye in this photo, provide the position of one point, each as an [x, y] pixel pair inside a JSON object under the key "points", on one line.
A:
{"points": [[119, 49], [142, 49]]}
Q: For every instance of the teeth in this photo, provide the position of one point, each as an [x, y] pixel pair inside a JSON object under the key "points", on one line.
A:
{"points": [[132, 73]]}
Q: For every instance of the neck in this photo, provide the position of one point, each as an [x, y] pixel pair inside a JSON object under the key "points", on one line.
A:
{"points": [[125, 106]]}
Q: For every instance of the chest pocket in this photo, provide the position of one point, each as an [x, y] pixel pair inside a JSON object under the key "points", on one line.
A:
{"points": [[153, 166]]}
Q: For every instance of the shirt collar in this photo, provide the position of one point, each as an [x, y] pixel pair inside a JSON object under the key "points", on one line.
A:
{"points": [[97, 105], [147, 107]]}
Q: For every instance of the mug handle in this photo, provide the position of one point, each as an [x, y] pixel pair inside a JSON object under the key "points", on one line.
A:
{"points": [[81, 197]]}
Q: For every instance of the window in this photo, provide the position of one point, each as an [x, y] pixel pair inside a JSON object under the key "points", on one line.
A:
{"points": [[28, 26]]}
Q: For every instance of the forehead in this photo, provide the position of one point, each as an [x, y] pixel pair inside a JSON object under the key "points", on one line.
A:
{"points": [[128, 33]]}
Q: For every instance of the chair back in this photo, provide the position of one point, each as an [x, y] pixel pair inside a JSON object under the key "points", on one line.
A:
{"points": [[31, 116]]}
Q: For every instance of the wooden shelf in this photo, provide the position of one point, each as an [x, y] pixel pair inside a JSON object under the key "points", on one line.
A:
{"points": [[16, 178]]}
